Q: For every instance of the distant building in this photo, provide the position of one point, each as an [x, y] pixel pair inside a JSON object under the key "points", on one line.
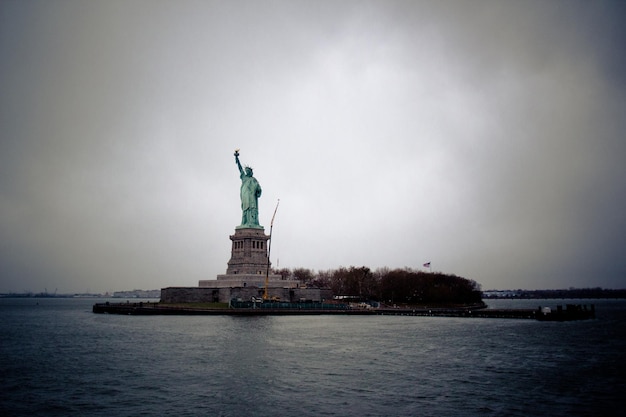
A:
{"points": [[137, 294]]}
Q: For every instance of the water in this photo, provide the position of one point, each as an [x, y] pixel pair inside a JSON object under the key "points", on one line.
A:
{"points": [[59, 359]]}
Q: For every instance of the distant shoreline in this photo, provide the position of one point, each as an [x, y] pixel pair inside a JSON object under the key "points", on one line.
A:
{"points": [[565, 294], [573, 293]]}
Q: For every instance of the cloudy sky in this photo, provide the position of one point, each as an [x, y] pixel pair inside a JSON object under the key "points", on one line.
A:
{"points": [[486, 137]]}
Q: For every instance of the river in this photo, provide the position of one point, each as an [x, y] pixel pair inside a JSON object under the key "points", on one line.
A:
{"points": [[60, 359]]}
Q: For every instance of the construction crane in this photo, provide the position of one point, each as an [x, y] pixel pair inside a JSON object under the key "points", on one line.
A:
{"points": [[269, 249]]}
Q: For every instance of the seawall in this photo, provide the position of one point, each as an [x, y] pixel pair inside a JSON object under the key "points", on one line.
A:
{"points": [[568, 314]]}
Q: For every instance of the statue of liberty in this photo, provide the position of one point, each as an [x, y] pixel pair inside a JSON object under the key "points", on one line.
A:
{"points": [[250, 193]]}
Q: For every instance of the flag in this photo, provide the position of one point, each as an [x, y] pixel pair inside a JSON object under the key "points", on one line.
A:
{"points": [[427, 264]]}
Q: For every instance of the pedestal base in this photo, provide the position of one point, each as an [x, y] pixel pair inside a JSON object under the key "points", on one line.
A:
{"points": [[248, 280]]}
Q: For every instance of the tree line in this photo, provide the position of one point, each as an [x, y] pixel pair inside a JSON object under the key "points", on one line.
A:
{"points": [[390, 286]]}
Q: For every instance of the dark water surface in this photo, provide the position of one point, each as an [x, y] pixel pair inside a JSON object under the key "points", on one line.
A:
{"points": [[59, 359]]}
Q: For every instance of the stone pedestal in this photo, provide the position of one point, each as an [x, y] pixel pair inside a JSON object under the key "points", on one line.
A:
{"points": [[249, 252], [249, 263]]}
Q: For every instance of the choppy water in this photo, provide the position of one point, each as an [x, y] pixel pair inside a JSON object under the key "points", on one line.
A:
{"points": [[59, 359]]}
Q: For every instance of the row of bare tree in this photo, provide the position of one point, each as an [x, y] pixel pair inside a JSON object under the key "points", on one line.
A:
{"points": [[396, 286]]}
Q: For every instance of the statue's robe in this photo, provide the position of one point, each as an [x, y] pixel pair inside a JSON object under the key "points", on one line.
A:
{"points": [[250, 193]]}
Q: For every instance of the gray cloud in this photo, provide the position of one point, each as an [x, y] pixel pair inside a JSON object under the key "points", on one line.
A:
{"points": [[484, 137]]}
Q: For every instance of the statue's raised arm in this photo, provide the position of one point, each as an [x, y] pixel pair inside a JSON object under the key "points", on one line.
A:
{"points": [[238, 163], [250, 193]]}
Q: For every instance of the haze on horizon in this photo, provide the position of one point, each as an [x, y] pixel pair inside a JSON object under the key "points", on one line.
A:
{"points": [[486, 137]]}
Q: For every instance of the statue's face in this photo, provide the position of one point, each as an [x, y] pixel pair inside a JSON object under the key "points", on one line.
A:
{"points": [[248, 171]]}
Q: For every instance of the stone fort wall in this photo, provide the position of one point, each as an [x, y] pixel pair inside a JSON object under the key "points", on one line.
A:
{"points": [[224, 295]]}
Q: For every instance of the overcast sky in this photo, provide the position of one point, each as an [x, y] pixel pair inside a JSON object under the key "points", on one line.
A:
{"points": [[486, 137]]}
